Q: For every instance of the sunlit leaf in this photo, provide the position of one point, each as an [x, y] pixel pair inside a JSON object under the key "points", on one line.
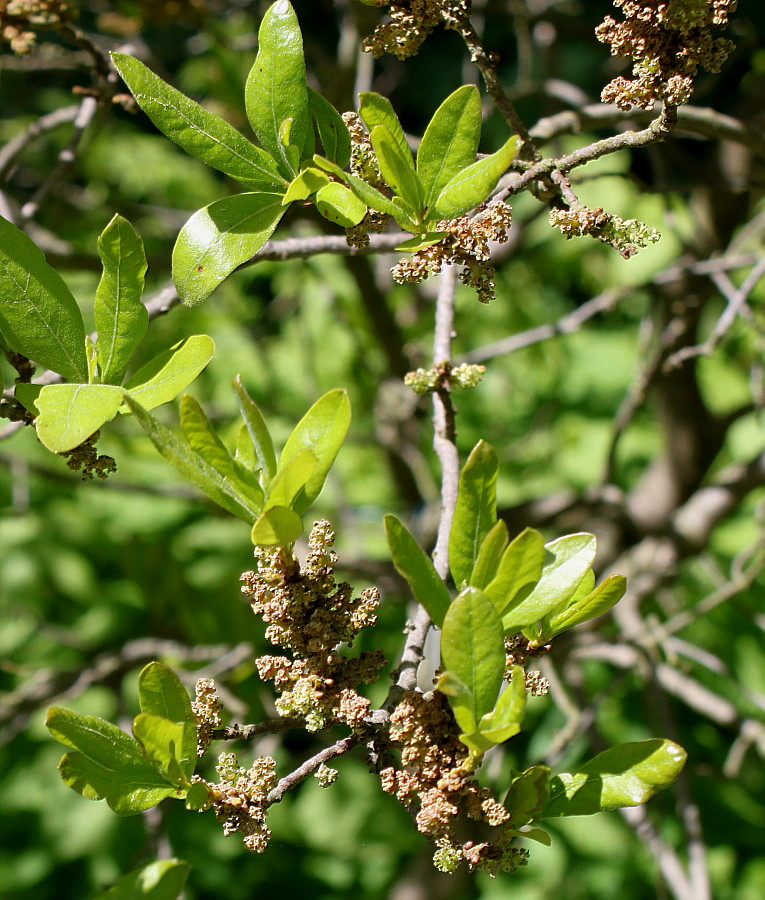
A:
{"points": [[334, 136], [70, 413], [162, 379], [475, 512]]}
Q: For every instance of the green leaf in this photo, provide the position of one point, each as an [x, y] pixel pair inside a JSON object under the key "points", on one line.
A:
{"points": [[567, 561], [196, 130], [161, 693], [163, 742], [372, 198], [536, 834], [27, 395], [121, 318], [489, 556], [70, 413], [422, 241], [257, 429], [332, 131], [276, 88], [397, 168], [472, 185], [201, 436], [473, 648], [528, 795], [160, 880], [108, 764], [504, 721], [162, 379], [304, 184], [278, 526], [376, 110], [192, 466], [450, 142], [415, 566], [626, 775], [291, 479], [605, 596], [461, 701], [219, 238], [322, 430], [197, 796], [475, 512], [519, 568], [39, 317], [340, 205]]}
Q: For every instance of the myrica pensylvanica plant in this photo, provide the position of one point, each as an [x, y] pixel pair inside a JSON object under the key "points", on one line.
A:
{"points": [[501, 602]]}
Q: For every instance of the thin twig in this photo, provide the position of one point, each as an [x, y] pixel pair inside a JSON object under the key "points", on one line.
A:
{"points": [[310, 765], [45, 124]]}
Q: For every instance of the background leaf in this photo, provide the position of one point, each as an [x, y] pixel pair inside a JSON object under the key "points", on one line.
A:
{"points": [[160, 880]]}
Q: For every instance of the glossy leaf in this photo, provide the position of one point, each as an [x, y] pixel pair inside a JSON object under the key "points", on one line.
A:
{"points": [[450, 142], [161, 693], [595, 604], [108, 764], [625, 775], [473, 649], [475, 512], [70, 413], [162, 742], [276, 87], [162, 379], [160, 880], [340, 205], [121, 318], [473, 185], [333, 134], [278, 526], [489, 555], [291, 479], [376, 110], [192, 466], [219, 238], [322, 430], [39, 317], [377, 201], [196, 130], [416, 567], [567, 561], [257, 429], [397, 168], [520, 567], [304, 184], [528, 795]]}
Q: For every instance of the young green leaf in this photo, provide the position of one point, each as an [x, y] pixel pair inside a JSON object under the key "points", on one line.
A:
{"points": [[489, 556], [422, 241], [504, 721], [121, 318], [450, 142], [528, 795], [278, 526], [322, 430], [192, 466], [160, 693], [276, 87], [473, 648], [595, 604], [201, 436], [371, 197], [160, 880], [70, 413], [257, 429], [27, 395], [519, 568], [165, 376], [334, 136], [462, 704], [415, 566], [108, 764], [304, 184], [625, 775], [162, 742], [567, 561], [39, 317], [475, 512], [397, 168], [339, 205], [198, 131], [219, 238], [472, 185], [291, 479], [376, 110]]}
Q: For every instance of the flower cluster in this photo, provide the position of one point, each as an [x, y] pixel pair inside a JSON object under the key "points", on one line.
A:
{"points": [[207, 709], [424, 380], [625, 235], [310, 614], [437, 780], [85, 459], [240, 798], [17, 17], [466, 244], [411, 21], [668, 41]]}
